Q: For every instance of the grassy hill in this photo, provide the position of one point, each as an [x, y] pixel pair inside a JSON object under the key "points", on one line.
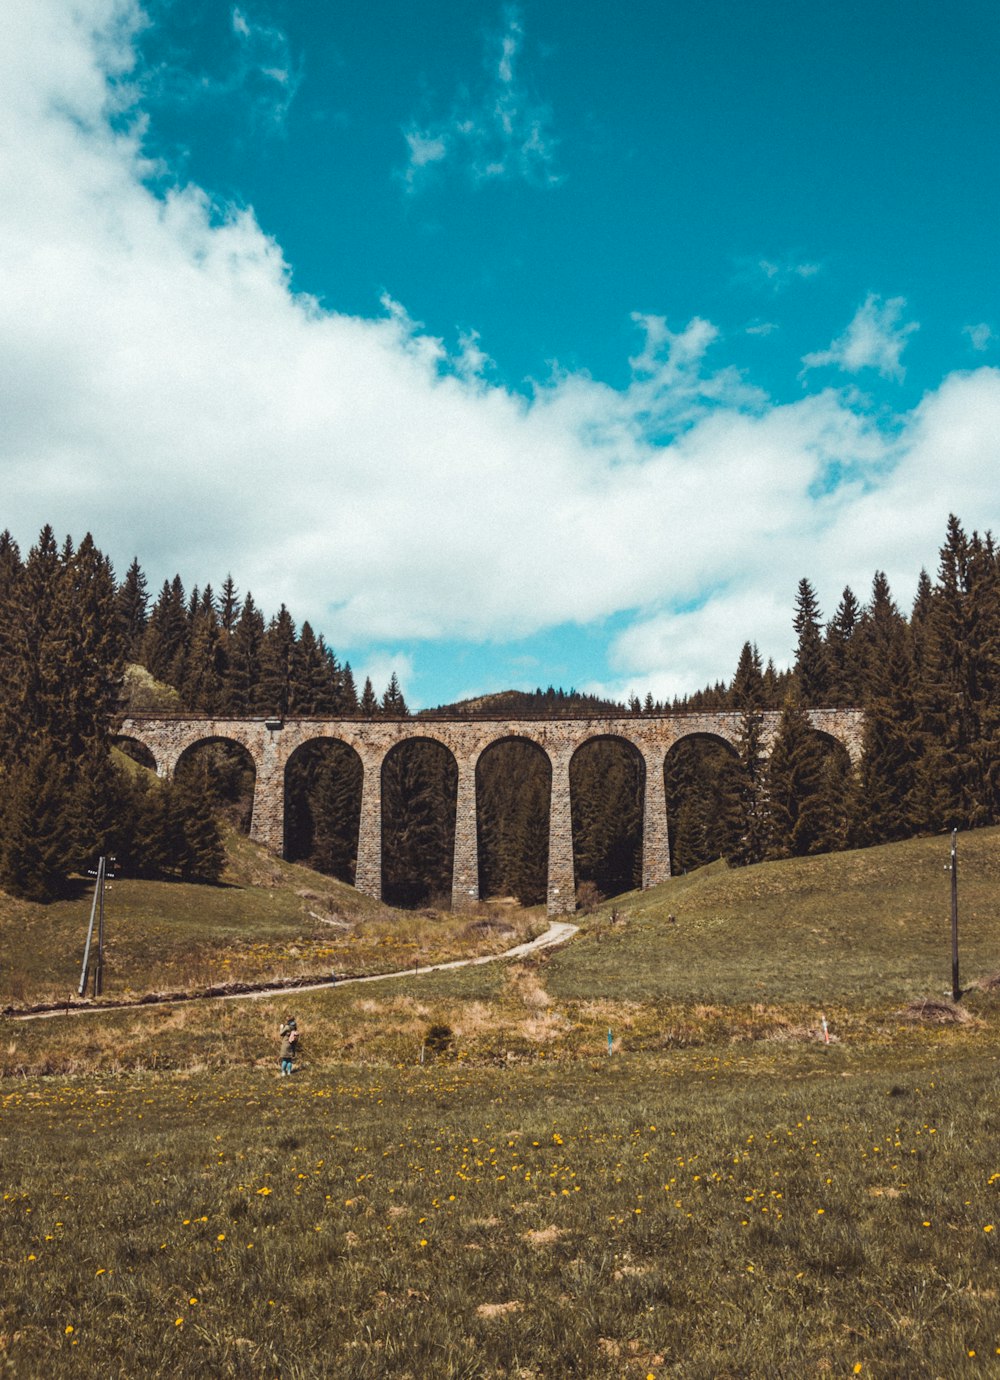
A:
{"points": [[267, 920], [725, 1196]]}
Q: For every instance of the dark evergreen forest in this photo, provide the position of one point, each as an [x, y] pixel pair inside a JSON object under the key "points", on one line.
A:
{"points": [[73, 637]]}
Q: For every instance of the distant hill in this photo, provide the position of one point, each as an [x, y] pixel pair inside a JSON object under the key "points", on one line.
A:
{"points": [[514, 704]]}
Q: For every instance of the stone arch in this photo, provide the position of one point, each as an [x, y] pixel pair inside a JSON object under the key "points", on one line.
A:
{"points": [[135, 749], [323, 781], [230, 776], [701, 778], [607, 775], [513, 795], [419, 790]]}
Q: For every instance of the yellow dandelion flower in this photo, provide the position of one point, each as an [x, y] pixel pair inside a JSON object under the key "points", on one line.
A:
{"points": [[69, 1328]]}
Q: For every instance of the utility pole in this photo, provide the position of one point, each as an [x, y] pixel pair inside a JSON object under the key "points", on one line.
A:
{"points": [[98, 892], [956, 990], [96, 911]]}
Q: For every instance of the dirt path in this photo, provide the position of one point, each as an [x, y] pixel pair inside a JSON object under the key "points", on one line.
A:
{"points": [[557, 933]]}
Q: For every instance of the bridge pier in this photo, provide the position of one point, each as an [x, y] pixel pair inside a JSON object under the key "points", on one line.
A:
{"points": [[368, 873], [465, 870], [267, 819], [655, 839], [561, 889]]}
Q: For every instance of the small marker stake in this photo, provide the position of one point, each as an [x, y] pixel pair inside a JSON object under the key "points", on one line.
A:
{"points": [[826, 1030], [610, 1042]]}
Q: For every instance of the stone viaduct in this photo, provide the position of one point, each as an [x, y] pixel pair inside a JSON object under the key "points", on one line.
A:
{"points": [[271, 743]]}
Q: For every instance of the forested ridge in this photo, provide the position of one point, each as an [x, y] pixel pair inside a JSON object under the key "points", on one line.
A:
{"points": [[73, 637]]}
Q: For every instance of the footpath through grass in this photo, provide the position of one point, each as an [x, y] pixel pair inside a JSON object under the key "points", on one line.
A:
{"points": [[267, 920]]}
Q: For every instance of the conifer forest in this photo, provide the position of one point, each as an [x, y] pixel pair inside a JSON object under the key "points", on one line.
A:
{"points": [[79, 648]]}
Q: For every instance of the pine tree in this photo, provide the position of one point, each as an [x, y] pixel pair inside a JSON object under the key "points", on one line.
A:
{"points": [[229, 606], [891, 746], [811, 664], [335, 806], [606, 790], [132, 602], [369, 704], [242, 689], [747, 695], [201, 856], [309, 688], [799, 821], [957, 693], [166, 631], [276, 655], [35, 840], [348, 692], [843, 653], [205, 668], [393, 703], [419, 783]]}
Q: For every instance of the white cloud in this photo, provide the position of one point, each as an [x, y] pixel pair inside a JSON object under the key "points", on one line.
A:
{"points": [[875, 339], [778, 274], [497, 132], [165, 388], [980, 336], [260, 72]]}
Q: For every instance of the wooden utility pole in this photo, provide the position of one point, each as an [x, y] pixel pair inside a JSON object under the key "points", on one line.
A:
{"points": [[956, 990], [96, 910]]}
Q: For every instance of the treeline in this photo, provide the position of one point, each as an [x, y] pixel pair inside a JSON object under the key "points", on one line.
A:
{"points": [[63, 801], [223, 658], [928, 681]]}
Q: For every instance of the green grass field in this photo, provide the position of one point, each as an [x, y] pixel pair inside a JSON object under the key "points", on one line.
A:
{"points": [[724, 1195]]}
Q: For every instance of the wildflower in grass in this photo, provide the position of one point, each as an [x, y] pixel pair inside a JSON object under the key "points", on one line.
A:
{"points": [[178, 1322], [69, 1329], [988, 1227]]}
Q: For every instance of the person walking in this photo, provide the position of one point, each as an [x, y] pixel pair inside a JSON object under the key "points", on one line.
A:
{"points": [[289, 1033]]}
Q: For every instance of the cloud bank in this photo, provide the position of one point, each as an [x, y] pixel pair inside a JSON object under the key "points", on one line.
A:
{"points": [[164, 387]]}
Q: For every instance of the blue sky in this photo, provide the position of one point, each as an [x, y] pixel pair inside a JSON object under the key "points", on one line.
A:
{"points": [[511, 345]]}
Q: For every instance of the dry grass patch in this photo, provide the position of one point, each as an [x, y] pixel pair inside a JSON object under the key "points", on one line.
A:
{"points": [[544, 1236], [931, 1011], [499, 1310]]}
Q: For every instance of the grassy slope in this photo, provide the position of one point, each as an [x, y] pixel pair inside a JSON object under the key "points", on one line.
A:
{"points": [[726, 1197], [268, 919]]}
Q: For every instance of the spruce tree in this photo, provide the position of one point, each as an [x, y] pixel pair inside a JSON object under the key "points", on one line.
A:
{"points": [[843, 654], [747, 694], [229, 606], [812, 668], [35, 834], [166, 631], [369, 704], [242, 688], [132, 601], [348, 692], [393, 702], [798, 811], [276, 657]]}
